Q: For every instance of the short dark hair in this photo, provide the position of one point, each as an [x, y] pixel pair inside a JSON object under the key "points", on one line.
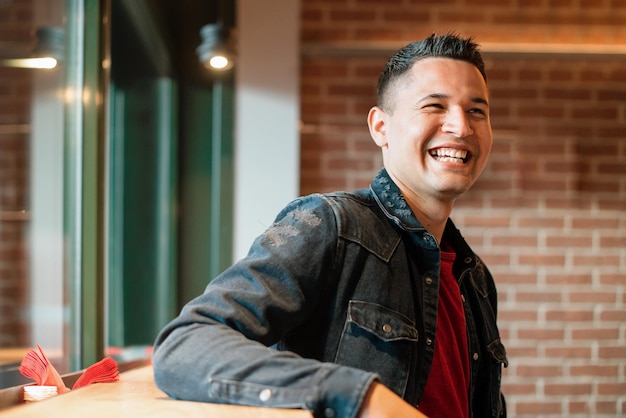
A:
{"points": [[444, 46]]}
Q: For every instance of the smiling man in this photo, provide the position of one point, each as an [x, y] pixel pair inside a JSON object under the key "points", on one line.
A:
{"points": [[366, 303], [432, 124]]}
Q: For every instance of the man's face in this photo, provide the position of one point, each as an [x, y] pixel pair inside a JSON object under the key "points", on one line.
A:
{"points": [[436, 135]]}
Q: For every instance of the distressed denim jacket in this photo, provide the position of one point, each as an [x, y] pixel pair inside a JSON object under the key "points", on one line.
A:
{"points": [[341, 290]]}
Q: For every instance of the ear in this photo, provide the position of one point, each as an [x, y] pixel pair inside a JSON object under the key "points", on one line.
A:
{"points": [[376, 120]]}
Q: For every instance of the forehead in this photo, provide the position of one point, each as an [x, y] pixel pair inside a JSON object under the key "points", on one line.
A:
{"points": [[449, 75]]}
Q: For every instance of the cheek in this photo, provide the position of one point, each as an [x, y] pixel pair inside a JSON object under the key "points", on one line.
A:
{"points": [[410, 136]]}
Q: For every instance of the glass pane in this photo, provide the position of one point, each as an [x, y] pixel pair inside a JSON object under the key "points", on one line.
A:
{"points": [[141, 177], [33, 300]]}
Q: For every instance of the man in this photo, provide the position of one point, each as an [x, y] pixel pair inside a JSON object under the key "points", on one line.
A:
{"points": [[365, 303]]}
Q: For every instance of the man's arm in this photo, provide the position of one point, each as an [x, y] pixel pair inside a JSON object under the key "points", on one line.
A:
{"points": [[217, 349], [381, 402]]}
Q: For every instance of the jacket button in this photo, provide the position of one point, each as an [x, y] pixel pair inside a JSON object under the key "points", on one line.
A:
{"points": [[428, 280], [265, 395], [429, 341], [463, 298], [475, 356], [329, 413], [468, 260], [387, 328]]}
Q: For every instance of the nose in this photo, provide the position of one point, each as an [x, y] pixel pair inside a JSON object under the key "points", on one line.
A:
{"points": [[457, 123]]}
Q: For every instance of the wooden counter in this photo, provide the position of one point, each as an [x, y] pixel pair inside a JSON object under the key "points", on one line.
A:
{"points": [[136, 395]]}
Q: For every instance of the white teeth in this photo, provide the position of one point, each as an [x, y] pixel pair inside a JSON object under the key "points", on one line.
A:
{"points": [[448, 154]]}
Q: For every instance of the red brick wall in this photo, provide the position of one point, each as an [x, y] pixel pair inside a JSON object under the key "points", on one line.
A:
{"points": [[549, 213], [15, 98]]}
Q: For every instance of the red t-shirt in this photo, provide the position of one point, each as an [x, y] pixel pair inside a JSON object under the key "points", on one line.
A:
{"points": [[446, 391]]}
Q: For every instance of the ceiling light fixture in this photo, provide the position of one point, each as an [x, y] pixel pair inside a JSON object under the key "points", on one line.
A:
{"points": [[47, 53], [215, 51]]}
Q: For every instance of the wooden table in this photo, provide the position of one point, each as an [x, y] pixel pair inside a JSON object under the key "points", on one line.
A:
{"points": [[12, 355], [136, 395]]}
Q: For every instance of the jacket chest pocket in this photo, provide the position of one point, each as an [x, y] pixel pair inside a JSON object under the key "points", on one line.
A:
{"points": [[379, 340]]}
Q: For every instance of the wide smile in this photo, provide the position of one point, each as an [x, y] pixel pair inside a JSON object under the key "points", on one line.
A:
{"points": [[451, 155]]}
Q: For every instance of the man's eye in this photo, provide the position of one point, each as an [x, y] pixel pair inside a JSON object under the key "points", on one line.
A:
{"points": [[478, 111]]}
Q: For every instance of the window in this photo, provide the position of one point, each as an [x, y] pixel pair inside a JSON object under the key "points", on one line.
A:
{"points": [[34, 303]]}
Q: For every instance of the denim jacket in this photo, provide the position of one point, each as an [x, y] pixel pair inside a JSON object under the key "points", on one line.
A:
{"points": [[339, 291]]}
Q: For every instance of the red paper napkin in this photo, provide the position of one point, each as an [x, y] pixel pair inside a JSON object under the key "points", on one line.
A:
{"points": [[35, 365], [101, 372]]}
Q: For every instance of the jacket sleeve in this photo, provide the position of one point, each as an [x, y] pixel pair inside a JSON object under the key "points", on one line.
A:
{"points": [[217, 349]]}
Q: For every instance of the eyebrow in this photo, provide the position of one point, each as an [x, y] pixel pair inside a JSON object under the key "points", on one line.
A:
{"points": [[445, 96]]}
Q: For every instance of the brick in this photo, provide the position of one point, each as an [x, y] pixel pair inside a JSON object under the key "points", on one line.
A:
{"points": [[607, 407], [568, 352], [405, 16], [341, 89], [612, 352], [562, 94], [593, 370], [541, 259], [613, 168], [612, 388], [322, 69], [552, 112], [530, 75], [512, 93], [591, 150], [539, 222], [565, 167], [613, 242], [595, 260], [535, 370], [464, 17], [517, 202], [592, 297], [517, 315], [515, 352], [488, 222], [514, 241], [370, 3], [568, 279], [557, 75], [578, 407], [596, 334], [538, 407], [565, 389], [486, 184], [537, 334], [608, 95], [596, 113], [612, 204], [570, 316], [568, 202], [595, 186], [342, 17], [613, 315], [595, 223], [592, 75], [496, 259], [569, 241], [518, 388], [349, 164]]}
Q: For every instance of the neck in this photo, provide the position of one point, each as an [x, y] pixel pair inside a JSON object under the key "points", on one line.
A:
{"points": [[432, 217]]}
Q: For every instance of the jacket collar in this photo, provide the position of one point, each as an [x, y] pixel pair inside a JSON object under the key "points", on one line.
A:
{"points": [[391, 201]]}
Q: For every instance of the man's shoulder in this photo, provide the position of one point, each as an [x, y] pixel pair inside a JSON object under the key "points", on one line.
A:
{"points": [[357, 204], [359, 219], [360, 197]]}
